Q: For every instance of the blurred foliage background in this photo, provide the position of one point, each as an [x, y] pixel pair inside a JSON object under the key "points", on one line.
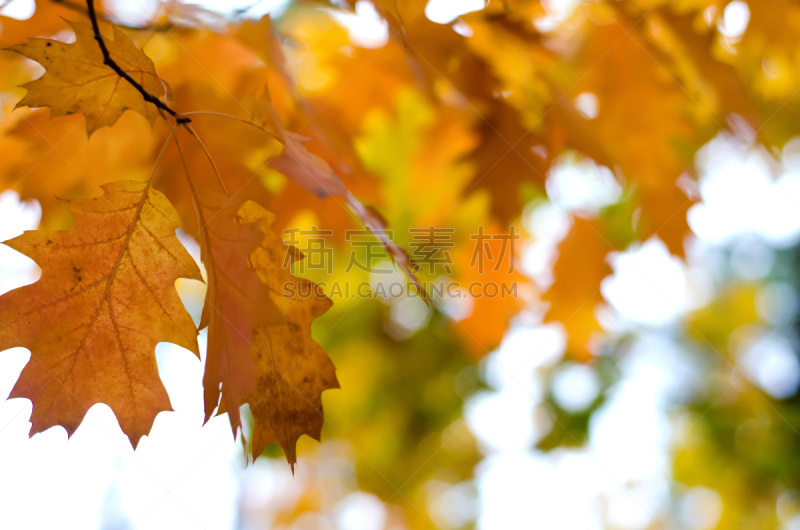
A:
{"points": [[645, 376]]}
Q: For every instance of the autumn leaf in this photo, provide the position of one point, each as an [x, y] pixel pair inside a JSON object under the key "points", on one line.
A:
{"points": [[106, 298], [575, 293], [260, 349], [308, 170], [237, 303], [292, 369], [653, 161], [454, 125], [262, 113], [76, 80], [36, 150], [260, 37]]}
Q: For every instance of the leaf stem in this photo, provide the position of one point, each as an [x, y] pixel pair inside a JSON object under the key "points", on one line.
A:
{"points": [[161, 154], [108, 61], [208, 155]]}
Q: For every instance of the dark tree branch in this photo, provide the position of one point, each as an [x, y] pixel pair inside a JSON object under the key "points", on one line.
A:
{"points": [[108, 61]]}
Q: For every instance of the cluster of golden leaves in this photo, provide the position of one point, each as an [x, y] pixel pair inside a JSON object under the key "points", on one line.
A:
{"points": [[446, 124], [107, 295]]}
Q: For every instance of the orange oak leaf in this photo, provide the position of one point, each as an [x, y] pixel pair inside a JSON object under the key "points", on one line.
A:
{"points": [[292, 369], [260, 350], [106, 298], [237, 303], [77, 81], [653, 161], [575, 294]]}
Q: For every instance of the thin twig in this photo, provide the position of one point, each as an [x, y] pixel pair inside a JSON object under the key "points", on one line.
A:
{"points": [[108, 61], [247, 122]]}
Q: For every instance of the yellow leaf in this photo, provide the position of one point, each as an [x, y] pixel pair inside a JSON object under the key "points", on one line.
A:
{"points": [[77, 81]]}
